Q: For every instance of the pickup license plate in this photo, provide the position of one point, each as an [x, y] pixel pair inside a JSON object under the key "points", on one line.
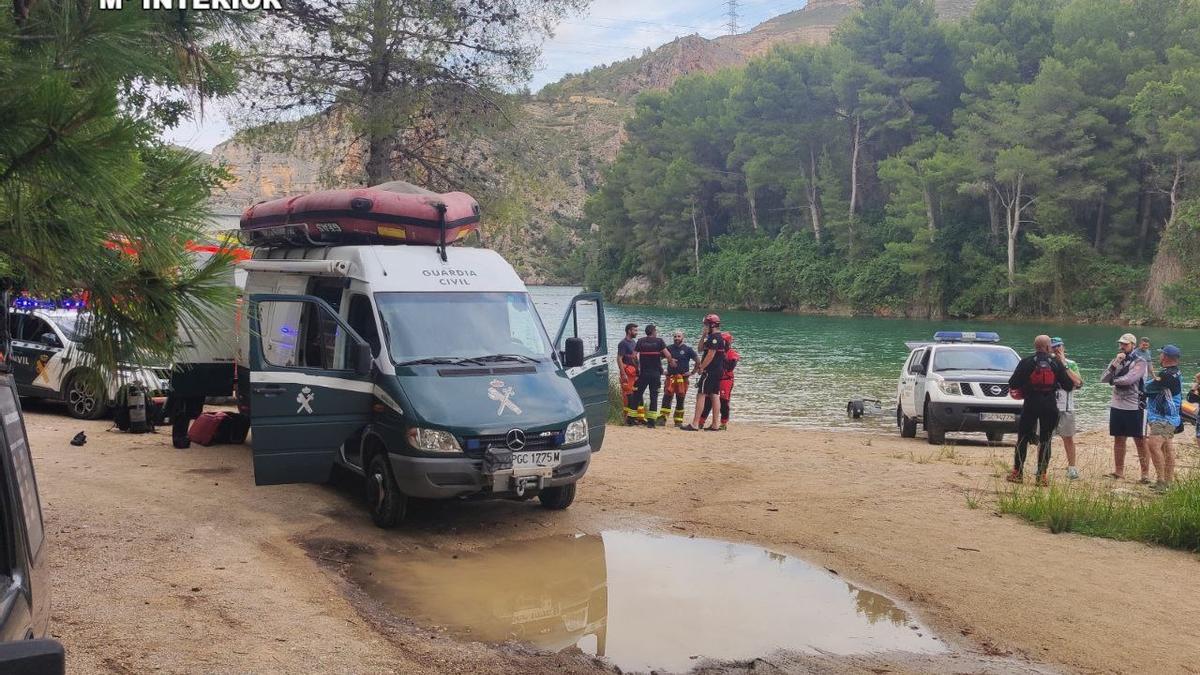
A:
{"points": [[997, 417], [540, 459]]}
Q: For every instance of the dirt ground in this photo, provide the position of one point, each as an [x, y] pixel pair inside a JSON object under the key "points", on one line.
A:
{"points": [[173, 561]]}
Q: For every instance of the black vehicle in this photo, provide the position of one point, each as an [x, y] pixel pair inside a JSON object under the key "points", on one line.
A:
{"points": [[24, 579]]}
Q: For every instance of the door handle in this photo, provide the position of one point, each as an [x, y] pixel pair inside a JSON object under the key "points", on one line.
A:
{"points": [[268, 390]]}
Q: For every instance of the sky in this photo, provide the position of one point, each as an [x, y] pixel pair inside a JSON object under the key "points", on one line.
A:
{"points": [[610, 30]]}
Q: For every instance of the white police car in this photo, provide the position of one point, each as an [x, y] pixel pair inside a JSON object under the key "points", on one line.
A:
{"points": [[957, 382], [47, 362]]}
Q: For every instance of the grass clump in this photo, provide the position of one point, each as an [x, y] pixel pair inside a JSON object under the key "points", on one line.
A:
{"points": [[1171, 519], [616, 403]]}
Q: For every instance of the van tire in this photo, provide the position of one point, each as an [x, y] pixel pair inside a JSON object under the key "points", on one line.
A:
{"points": [[557, 498], [384, 500], [908, 426], [83, 402], [934, 432]]}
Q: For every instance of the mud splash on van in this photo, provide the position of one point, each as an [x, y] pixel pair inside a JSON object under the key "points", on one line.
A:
{"points": [[642, 601]]}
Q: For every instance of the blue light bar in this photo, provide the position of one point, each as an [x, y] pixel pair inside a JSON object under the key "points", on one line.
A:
{"points": [[964, 336]]}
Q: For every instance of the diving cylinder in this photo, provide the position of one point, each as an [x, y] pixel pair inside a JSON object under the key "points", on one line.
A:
{"points": [[136, 404]]}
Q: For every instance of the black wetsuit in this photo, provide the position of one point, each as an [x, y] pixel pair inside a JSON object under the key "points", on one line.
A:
{"points": [[1039, 412]]}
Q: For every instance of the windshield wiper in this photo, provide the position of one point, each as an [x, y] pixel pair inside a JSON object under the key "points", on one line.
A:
{"points": [[507, 357], [441, 361]]}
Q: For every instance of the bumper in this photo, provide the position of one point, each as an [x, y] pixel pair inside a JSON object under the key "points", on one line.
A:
{"points": [[449, 477], [967, 416]]}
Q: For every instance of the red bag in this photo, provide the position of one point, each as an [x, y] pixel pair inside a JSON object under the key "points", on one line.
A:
{"points": [[205, 428], [1042, 379]]}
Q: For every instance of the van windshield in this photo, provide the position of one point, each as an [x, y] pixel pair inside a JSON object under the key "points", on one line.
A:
{"points": [[461, 326]]}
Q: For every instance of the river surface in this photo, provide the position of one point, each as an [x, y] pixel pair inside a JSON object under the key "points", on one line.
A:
{"points": [[801, 370]]}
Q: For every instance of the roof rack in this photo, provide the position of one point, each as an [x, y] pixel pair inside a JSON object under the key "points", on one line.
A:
{"points": [[299, 235]]}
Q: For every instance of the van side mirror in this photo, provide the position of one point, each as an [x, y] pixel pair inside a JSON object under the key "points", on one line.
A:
{"points": [[49, 339], [573, 356], [34, 657], [363, 359]]}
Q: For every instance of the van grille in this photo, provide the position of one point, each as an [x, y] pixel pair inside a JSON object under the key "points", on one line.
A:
{"points": [[476, 446]]}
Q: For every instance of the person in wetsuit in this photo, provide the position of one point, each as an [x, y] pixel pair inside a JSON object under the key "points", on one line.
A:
{"points": [[651, 350], [677, 376], [1038, 378]]}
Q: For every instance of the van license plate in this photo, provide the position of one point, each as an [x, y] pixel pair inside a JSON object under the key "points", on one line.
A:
{"points": [[542, 459], [997, 417]]}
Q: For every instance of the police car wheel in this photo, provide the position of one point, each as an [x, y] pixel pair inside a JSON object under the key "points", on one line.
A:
{"points": [[908, 426], [83, 401], [935, 433], [385, 501], [557, 498]]}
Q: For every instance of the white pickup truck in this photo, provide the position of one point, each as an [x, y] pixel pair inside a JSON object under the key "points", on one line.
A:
{"points": [[957, 382]]}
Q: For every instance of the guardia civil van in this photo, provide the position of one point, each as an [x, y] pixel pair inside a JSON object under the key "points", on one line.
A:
{"points": [[425, 370]]}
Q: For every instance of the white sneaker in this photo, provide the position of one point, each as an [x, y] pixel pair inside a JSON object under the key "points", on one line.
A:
{"points": [[1072, 473]]}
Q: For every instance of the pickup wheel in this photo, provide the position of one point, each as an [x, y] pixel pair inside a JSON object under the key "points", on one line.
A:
{"points": [[85, 398], [557, 498], [995, 436], [908, 426], [385, 501], [934, 432]]}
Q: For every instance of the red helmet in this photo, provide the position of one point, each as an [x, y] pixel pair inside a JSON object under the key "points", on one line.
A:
{"points": [[712, 320], [728, 337]]}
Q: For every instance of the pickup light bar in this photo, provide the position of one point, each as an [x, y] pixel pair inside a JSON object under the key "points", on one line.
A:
{"points": [[965, 336]]}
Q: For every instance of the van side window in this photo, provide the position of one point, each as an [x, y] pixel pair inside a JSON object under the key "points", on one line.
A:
{"points": [[362, 319], [299, 334], [22, 482]]}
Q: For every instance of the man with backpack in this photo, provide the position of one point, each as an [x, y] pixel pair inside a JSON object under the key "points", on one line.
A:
{"points": [[1163, 400], [1126, 373], [1038, 379]]}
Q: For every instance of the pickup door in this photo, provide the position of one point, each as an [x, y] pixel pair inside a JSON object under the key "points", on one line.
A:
{"points": [[310, 387], [585, 320]]}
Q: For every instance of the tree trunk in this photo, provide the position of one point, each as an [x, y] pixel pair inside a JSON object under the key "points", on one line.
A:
{"points": [[857, 144], [696, 237], [930, 209], [814, 196], [380, 143], [1167, 267], [1144, 209], [753, 208], [1013, 226], [994, 217], [1098, 239]]}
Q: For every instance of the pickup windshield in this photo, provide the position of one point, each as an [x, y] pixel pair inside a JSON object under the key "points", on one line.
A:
{"points": [[460, 327], [974, 358]]}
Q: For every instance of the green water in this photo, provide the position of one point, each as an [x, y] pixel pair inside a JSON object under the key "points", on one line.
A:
{"points": [[801, 370]]}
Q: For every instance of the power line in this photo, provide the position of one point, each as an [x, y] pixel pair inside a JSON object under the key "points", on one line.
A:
{"points": [[732, 23]]}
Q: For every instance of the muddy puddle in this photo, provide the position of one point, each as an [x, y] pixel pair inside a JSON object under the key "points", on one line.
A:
{"points": [[642, 601]]}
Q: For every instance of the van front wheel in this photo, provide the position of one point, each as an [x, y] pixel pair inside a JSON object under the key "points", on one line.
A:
{"points": [[557, 498], [387, 504]]}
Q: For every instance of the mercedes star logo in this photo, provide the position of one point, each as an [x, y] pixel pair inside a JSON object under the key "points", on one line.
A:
{"points": [[515, 439]]}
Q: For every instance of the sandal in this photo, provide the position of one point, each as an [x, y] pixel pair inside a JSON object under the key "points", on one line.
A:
{"points": [[710, 429], [688, 427], [1145, 481]]}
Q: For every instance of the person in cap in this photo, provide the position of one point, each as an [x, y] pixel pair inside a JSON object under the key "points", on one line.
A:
{"points": [[1193, 397], [1126, 373], [711, 367], [677, 376], [1163, 400], [1066, 405], [1038, 377]]}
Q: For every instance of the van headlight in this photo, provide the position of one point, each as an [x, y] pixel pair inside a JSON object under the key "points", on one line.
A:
{"points": [[577, 433], [432, 440], [950, 388]]}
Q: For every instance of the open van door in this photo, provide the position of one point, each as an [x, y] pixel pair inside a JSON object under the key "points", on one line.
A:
{"points": [[310, 387], [582, 338]]}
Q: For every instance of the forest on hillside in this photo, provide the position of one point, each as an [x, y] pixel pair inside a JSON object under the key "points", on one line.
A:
{"points": [[1039, 157]]}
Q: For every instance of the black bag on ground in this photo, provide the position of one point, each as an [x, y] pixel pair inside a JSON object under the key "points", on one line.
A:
{"points": [[233, 429]]}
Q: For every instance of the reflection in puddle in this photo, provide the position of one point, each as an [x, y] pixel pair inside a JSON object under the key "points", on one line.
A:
{"points": [[642, 601]]}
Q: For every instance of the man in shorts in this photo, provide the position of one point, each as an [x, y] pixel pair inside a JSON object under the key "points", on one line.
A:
{"points": [[712, 367], [1066, 405], [1126, 418], [1163, 399]]}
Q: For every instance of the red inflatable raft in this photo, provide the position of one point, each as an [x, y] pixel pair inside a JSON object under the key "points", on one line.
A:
{"points": [[391, 213]]}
